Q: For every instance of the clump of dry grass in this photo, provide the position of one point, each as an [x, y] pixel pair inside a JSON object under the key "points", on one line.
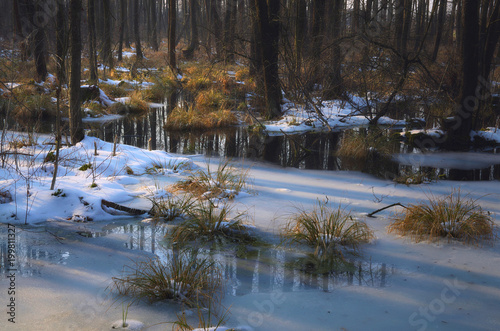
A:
{"points": [[329, 231], [138, 104], [453, 216], [184, 277], [171, 207], [225, 182], [193, 118], [208, 222], [359, 145]]}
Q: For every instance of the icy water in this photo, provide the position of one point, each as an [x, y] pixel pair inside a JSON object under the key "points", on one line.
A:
{"points": [[304, 151], [257, 270]]}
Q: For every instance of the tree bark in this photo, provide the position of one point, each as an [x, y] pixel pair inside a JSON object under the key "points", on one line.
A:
{"points": [[92, 41], [154, 27], [318, 12], [268, 43], [172, 21], [193, 24], [40, 51], [458, 131], [333, 86], [123, 16], [440, 27], [75, 115], [137, 35], [107, 56], [61, 43]]}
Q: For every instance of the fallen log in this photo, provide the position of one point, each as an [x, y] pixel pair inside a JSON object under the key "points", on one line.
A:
{"points": [[116, 209]]}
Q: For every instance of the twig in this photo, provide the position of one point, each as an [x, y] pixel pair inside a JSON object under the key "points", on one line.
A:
{"points": [[379, 210]]}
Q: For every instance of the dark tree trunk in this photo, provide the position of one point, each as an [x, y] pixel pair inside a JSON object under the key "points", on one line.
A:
{"points": [[127, 23], [355, 16], [123, 17], [75, 115], [107, 56], [492, 35], [172, 21], [420, 23], [458, 131], [229, 31], [318, 14], [440, 27], [61, 43], [92, 41], [268, 42], [193, 24], [40, 51], [154, 27], [406, 26], [300, 31], [333, 86], [216, 28], [255, 51], [19, 34], [137, 34]]}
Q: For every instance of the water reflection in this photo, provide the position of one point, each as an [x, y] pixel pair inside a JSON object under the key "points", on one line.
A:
{"points": [[259, 269], [27, 254], [304, 151]]}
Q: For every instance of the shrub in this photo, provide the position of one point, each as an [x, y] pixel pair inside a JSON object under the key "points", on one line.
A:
{"points": [[452, 216]]}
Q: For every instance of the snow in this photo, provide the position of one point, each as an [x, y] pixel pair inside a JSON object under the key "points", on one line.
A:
{"points": [[115, 82], [35, 203], [444, 285], [338, 114]]}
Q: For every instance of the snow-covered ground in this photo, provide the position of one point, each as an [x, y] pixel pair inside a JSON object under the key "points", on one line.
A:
{"points": [[445, 286], [338, 114]]}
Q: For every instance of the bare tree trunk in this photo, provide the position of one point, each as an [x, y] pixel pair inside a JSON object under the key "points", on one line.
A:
{"points": [[333, 86], [300, 29], [154, 27], [107, 55], [61, 43], [216, 28], [268, 41], [355, 16], [440, 27], [137, 34], [458, 132], [172, 21], [75, 115], [229, 31], [40, 49], [318, 13], [128, 26], [406, 26], [193, 24], [92, 41], [123, 16], [19, 34]]}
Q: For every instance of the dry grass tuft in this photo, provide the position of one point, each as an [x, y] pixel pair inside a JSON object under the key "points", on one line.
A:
{"points": [[327, 230], [453, 216], [184, 277], [208, 222], [171, 207], [193, 118], [225, 182]]}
